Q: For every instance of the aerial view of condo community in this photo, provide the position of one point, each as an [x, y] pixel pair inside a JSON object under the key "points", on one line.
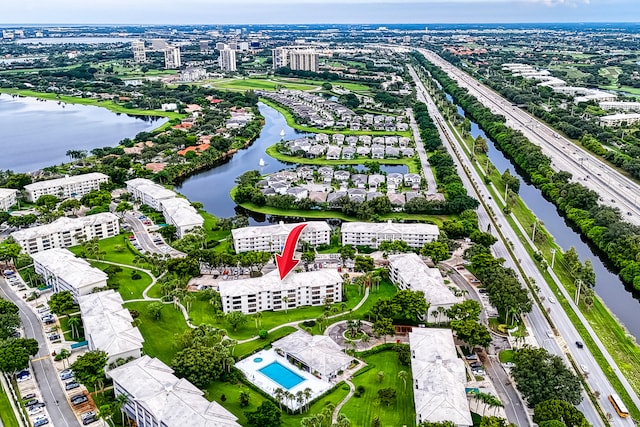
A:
{"points": [[320, 225]]}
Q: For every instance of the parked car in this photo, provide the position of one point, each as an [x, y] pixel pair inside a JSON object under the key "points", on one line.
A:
{"points": [[31, 402], [584, 369], [89, 417], [78, 399], [43, 310], [54, 337], [40, 421], [35, 410], [66, 374], [71, 385], [472, 356], [550, 333], [28, 396], [476, 365]]}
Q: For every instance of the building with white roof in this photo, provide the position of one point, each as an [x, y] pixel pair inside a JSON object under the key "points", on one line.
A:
{"points": [[439, 378], [408, 271], [620, 105], [270, 293], [63, 188], [8, 198], [148, 192], [63, 271], [156, 397], [318, 354], [271, 238], [181, 214], [372, 233], [65, 232], [619, 119], [108, 326]]}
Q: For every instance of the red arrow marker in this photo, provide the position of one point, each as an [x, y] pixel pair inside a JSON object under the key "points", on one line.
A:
{"points": [[285, 262]]}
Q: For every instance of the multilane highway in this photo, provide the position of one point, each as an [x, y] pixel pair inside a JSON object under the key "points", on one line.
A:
{"points": [[536, 319]]}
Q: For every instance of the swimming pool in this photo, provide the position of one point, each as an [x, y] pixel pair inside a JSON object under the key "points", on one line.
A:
{"points": [[282, 375]]}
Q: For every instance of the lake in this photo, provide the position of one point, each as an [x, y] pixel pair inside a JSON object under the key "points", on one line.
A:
{"points": [[36, 134]]}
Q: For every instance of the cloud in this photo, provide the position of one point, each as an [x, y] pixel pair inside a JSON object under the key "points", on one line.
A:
{"points": [[572, 3]]}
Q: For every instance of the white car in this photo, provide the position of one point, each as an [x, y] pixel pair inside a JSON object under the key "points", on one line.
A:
{"points": [[35, 410], [584, 369], [552, 300], [550, 333]]}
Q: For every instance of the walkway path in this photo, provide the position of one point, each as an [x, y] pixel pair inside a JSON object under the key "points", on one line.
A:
{"points": [[352, 389]]}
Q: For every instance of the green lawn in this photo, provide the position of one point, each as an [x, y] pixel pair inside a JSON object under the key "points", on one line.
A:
{"points": [[128, 288], [410, 163], [6, 411], [158, 334], [108, 246], [243, 350], [260, 84], [354, 87], [64, 328], [201, 312], [363, 409], [506, 356]]}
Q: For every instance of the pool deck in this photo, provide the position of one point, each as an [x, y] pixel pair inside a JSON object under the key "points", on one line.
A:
{"points": [[251, 370]]}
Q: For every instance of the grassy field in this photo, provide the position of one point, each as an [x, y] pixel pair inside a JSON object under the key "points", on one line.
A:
{"points": [[572, 72], [158, 334], [611, 73], [260, 84], [109, 105], [108, 247], [128, 288], [7, 416], [353, 87], [64, 328], [410, 163], [243, 350], [361, 411]]}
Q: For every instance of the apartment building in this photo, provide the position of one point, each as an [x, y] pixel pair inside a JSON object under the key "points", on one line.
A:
{"points": [[620, 105], [280, 58], [172, 59], [620, 119], [305, 60], [371, 234], [179, 213], [270, 293], [65, 232], [108, 326], [64, 188], [8, 198], [156, 397], [271, 238], [148, 192], [227, 60], [139, 52], [407, 271], [439, 378], [63, 271]]}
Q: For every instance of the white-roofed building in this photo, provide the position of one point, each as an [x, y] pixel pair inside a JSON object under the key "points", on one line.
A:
{"points": [[148, 192], [8, 198], [439, 378], [181, 214], [271, 238], [156, 397], [63, 188], [108, 326], [270, 293], [619, 119], [408, 271], [65, 232], [63, 271], [372, 233], [620, 105], [318, 354]]}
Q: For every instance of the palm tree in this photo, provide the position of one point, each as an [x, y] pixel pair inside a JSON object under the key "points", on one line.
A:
{"points": [[403, 376], [285, 300], [64, 355], [187, 300], [434, 313], [300, 400], [120, 401], [307, 396], [74, 324], [279, 395], [342, 421], [258, 319]]}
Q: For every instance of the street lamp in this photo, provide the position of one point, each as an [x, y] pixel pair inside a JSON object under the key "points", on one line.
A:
{"points": [[553, 257]]}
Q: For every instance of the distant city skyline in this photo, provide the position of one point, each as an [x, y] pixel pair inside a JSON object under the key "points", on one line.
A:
{"points": [[316, 11]]}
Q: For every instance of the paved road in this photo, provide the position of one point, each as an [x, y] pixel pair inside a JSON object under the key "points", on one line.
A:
{"points": [[427, 172], [145, 240], [539, 324], [53, 395], [596, 377]]}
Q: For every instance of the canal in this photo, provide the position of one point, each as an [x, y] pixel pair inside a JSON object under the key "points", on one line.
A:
{"points": [[619, 298], [212, 187]]}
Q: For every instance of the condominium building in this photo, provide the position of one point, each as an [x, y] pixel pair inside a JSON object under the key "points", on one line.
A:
{"points": [[371, 234], [280, 58], [63, 188], [148, 192], [620, 119], [172, 60], [408, 271], [8, 198], [305, 60], [108, 326], [179, 213], [65, 232], [227, 60], [620, 105], [270, 293], [156, 397], [439, 378], [139, 52], [271, 238], [63, 271]]}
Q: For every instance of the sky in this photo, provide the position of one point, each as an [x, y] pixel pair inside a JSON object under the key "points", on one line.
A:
{"points": [[315, 11]]}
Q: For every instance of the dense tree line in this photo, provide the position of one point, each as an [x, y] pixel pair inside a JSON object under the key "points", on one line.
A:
{"points": [[618, 240]]}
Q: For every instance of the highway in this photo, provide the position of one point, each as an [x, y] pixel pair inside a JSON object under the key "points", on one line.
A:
{"points": [[44, 372], [614, 188], [536, 319]]}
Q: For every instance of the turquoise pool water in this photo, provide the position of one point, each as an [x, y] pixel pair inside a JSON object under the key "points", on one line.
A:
{"points": [[258, 359], [282, 375]]}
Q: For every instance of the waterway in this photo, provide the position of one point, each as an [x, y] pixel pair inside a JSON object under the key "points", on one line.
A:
{"points": [[37, 134], [619, 298], [212, 187]]}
